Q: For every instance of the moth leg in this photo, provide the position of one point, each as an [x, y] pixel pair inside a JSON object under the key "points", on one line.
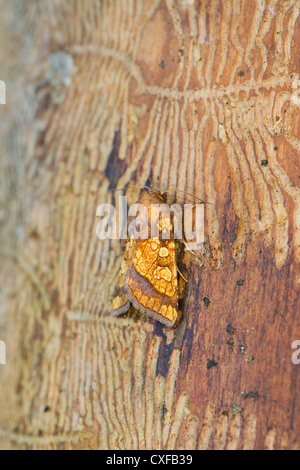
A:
{"points": [[180, 273], [191, 251], [182, 265]]}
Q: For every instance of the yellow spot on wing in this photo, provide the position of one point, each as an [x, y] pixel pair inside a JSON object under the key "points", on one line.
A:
{"points": [[151, 303], [163, 252], [144, 300], [137, 293], [163, 272], [163, 310], [156, 305], [154, 245], [170, 315]]}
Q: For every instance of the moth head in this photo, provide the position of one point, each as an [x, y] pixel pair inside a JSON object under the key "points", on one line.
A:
{"points": [[151, 196]]}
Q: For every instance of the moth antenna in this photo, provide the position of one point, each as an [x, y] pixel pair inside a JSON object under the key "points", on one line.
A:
{"points": [[147, 187], [185, 192], [142, 187]]}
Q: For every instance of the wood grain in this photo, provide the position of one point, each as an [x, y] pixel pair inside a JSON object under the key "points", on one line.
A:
{"points": [[195, 95]]}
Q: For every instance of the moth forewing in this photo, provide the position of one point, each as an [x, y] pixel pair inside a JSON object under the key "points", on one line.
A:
{"points": [[151, 281], [148, 278]]}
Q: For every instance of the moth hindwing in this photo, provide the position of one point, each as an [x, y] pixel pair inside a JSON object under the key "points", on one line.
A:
{"points": [[148, 278]]}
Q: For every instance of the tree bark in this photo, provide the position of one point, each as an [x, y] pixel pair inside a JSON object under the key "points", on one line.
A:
{"points": [[196, 96]]}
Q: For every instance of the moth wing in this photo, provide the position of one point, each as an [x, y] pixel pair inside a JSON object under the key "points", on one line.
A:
{"points": [[121, 303], [151, 281]]}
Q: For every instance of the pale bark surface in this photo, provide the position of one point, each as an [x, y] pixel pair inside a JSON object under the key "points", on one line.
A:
{"points": [[182, 94]]}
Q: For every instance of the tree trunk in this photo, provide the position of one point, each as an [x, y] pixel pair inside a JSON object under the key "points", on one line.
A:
{"points": [[194, 95]]}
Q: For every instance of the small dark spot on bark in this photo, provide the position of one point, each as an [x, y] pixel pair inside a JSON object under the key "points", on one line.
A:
{"points": [[275, 148], [277, 118], [33, 234], [230, 329], [230, 342], [54, 296], [162, 64], [241, 73], [206, 301], [240, 282], [264, 162], [252, 394], [211, 363], [47, 409]]}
